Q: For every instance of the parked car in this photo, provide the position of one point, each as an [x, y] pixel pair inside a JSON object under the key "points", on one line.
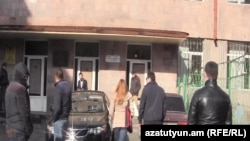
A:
{"points": [[89, 118], [176, 113]]}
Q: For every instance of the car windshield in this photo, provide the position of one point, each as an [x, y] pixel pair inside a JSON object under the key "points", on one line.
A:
{"points": [[86, 103], [175, 104]]}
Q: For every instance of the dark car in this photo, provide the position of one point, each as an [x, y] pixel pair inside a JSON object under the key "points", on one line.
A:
{"points": [[89, 118], [176, 113]]}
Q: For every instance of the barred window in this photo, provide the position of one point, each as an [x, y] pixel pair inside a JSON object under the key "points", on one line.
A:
{"points": [[191, 59], [240, 1], [239, 61], [193, 45]]}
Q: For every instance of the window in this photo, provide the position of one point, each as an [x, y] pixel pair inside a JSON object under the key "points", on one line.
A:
{"points": [[239, 60], [190, 60], [36, 48], [240, 1], [142, 52], [87, 49]]}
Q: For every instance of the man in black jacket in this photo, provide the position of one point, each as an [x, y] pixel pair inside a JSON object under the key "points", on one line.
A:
{"points": [[153, 103], [4, 82], [18, 118], [61, 106], [210, 104], [82, 84]]}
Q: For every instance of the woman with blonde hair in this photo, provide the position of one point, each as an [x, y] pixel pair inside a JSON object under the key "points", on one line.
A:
{"points": [[120, 99]]}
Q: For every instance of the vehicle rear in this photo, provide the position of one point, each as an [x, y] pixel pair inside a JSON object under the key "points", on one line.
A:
{"points": [[176, 113]]}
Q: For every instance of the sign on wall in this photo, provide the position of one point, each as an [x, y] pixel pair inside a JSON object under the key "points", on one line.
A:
{"points": [[112, 58], [10, 55]]}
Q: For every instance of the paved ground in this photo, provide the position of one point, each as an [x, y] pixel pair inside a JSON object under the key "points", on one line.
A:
{"points": [[135, 135]]}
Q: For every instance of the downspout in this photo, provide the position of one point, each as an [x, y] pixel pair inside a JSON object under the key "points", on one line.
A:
{"points": [[215, 21]]}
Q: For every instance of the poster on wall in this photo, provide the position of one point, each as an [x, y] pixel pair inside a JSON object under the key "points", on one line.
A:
{"points": [[10, 55], [112, 58]]}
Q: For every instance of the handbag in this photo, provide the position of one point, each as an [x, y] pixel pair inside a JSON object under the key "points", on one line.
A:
{"points": [[128, 119]]}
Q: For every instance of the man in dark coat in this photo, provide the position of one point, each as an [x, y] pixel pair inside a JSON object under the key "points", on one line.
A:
{"points": [[153, 103], [82, 83], [18, 117], [4, 82], [210, 104], [61, 106]]}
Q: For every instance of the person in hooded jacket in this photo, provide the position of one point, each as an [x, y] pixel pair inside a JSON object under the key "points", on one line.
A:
{"points": [[4, 82], [18, 117]]}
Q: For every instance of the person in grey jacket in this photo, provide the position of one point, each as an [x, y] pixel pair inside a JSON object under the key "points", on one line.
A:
{"points": [[18, 117]]}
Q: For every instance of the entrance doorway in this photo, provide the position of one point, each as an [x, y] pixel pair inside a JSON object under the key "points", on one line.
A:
{"points": [[139, 60], [37, 66], [141, 68], [89, 68]]}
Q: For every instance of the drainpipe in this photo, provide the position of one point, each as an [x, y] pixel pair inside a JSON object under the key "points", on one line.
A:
{"points": [[215, 21]]}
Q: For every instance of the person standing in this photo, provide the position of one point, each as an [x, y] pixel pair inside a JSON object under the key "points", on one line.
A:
{"points": [[153, 103], [134, 90], [61, 106], [82, 83], [120, 99], [210, 104], [18, 117], [4, 82]]}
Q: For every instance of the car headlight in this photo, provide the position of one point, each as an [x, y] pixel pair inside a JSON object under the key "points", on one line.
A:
{"points": [[97, 130], [71, 136]]}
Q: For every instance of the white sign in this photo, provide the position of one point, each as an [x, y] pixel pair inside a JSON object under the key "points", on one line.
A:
{"points": [[113, 58]]}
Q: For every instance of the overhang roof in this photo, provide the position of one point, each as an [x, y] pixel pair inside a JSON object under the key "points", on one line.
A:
{"points": [[93, 33]]}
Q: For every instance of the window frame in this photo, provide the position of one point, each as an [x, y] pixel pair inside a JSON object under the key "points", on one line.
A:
{"points": [[239, 53]]}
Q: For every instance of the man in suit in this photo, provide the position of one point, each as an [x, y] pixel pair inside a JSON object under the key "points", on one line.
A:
{"points": [[82, 83]]}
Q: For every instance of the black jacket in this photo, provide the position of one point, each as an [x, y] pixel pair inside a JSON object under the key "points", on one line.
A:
{"points": [[152, 105], [62, 101], [135, 85], [84, 85], [4, 81], [210, 105], [18, 116]]}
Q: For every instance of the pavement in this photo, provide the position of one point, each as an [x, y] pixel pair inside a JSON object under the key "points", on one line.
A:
{"points": [[135, 136]]}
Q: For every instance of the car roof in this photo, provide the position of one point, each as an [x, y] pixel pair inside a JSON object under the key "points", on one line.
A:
{"points": [[89, 92]]}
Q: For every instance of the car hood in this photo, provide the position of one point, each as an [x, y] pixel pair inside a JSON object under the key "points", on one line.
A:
{"points": [[87, 120]]}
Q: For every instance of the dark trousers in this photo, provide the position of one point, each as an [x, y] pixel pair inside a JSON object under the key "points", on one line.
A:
{"points": [[120, 134], [2, 97]]}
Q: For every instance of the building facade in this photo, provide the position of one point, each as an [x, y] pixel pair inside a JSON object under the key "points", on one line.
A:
{"points": [[107, 39]]}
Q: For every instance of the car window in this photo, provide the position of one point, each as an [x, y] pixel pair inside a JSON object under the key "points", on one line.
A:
{"points": [[83, 103], [175, 104]]}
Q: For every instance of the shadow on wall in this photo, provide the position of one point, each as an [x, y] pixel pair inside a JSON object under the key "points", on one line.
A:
{"points": [[165, 58], [14, 12]]}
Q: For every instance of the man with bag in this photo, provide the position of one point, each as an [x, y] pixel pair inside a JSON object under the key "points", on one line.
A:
{"points": [[119, 106]]}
